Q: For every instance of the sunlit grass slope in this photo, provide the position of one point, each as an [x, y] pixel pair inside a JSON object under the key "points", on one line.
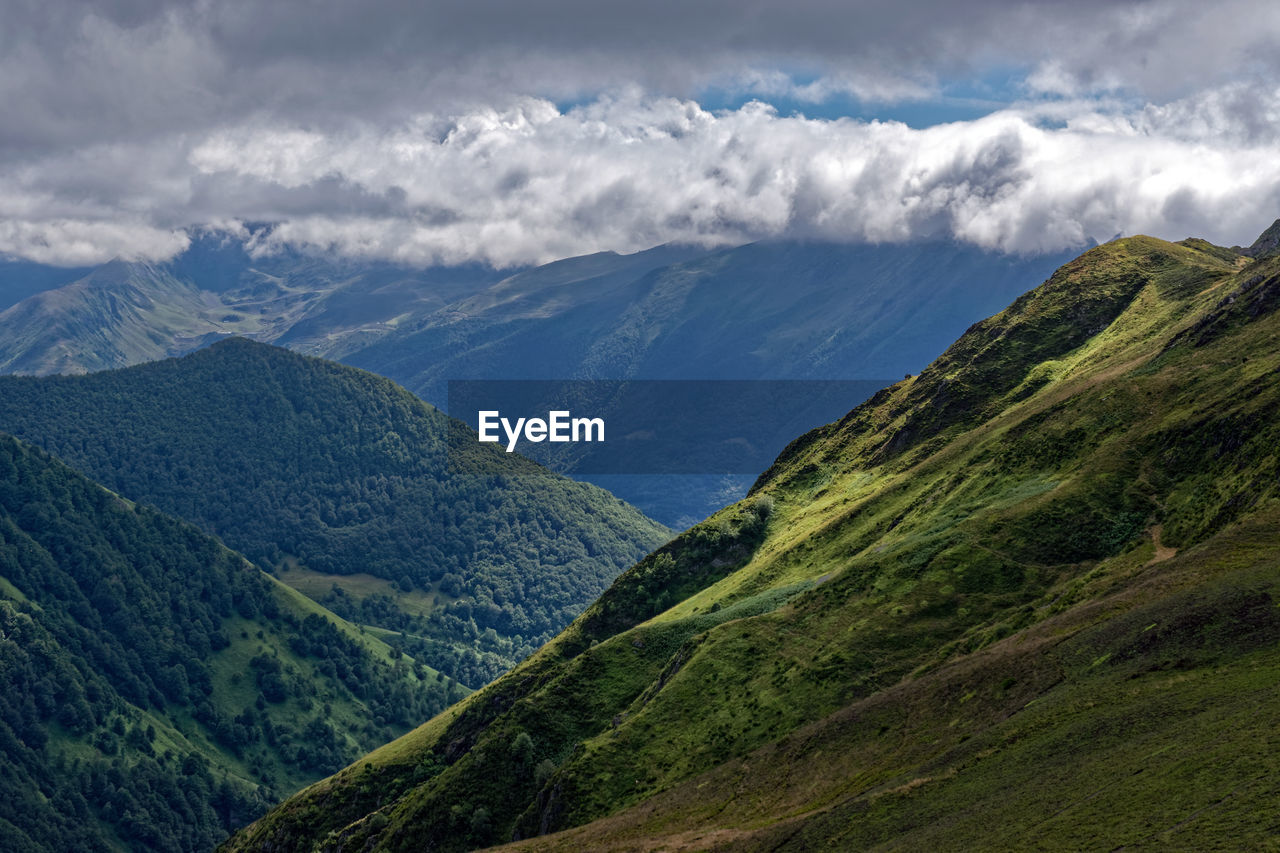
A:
{"points": [[1023, 599]]}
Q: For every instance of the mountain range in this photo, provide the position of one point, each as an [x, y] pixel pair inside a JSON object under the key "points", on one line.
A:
{"points": [[128, 312], [791, 310], [773, 310], [783, 310], [1026, 598]]}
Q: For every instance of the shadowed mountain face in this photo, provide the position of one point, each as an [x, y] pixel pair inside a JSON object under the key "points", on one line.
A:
{"points": [[762, 311], [342, 481], [1026, 598], [765, 310]]}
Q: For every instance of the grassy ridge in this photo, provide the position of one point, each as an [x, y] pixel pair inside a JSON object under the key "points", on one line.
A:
{"points": [[1142, 719], [1014, 557]]}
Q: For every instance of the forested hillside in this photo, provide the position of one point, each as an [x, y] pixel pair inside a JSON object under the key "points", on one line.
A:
{"points": [[1023, 600], [156, 690], [328, 473]]}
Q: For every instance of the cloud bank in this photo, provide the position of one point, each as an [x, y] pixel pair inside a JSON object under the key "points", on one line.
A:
{"points": [[513, 133]]}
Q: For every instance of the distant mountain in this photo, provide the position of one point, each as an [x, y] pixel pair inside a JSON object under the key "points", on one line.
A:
{"points": [[342, 482], [156, 690], [761, 311], [120, 313], [22, 279], [1026, 599], [125, 313], [764, 310], [781, 310]]}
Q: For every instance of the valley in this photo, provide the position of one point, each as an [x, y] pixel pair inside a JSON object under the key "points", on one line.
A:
{"points": [[993, 569], [559, 427]]}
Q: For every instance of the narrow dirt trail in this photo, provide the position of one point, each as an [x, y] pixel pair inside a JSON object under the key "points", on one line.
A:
{"points": [[1163, 552]]}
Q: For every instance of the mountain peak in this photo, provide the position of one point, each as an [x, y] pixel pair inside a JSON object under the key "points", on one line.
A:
{"points": [[1267, 243]]}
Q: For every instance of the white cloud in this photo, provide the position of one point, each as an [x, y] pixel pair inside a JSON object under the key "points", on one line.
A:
{"points": [[66, 242], [531, 183], [428, 132]]}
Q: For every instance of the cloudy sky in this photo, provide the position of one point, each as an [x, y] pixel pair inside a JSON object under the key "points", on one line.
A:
{"points": [[515, 131]]}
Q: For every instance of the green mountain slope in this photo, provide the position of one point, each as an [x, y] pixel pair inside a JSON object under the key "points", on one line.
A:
{"points": [[118, 314], [1025, 599], [332, 473], [157, 690]]}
